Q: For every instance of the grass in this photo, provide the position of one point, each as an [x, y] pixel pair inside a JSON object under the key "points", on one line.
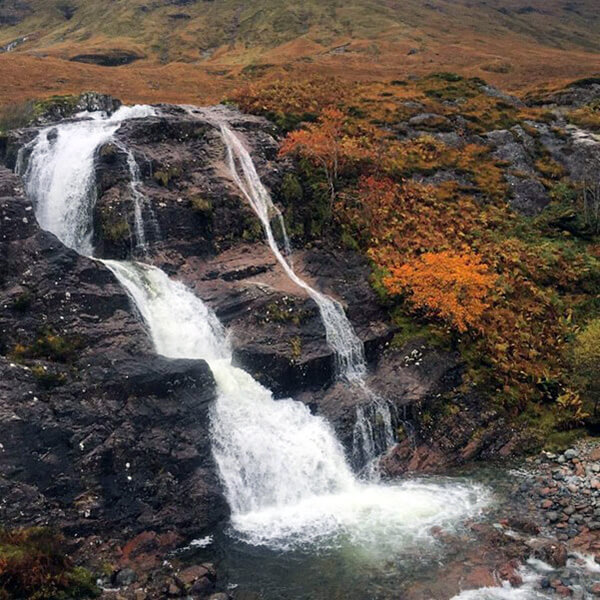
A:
{"points": [[198, 60]]}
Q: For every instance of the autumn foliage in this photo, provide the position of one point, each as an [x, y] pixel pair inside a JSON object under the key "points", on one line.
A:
{"points": [[454, 287], [328, 145], [432, 213], [33, 565]]}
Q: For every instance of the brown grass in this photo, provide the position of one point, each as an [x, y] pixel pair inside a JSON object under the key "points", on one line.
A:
{"points": [[525, 65]]}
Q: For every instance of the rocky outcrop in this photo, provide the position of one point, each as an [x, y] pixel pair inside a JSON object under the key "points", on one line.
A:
{"points": [[199, 228], [98, 433], [111, 58]]}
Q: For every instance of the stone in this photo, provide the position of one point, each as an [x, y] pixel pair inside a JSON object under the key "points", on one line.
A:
{"points": [[202, 586], [191, 574], [571, 453], [550, 551], [125, 577], [117, 402], [528, 196]]}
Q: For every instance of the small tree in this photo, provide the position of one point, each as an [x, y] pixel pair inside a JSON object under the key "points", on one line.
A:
{"points": [[586, 354], [325, 144], [454, 287]]}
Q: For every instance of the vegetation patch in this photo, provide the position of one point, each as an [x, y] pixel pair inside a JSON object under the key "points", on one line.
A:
{"points": [[510, 293], [33, 565], [50, 346]]}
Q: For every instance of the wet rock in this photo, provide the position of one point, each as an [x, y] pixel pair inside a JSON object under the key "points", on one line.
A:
{"points": [[125, 577], [202, 586], [100, 435], [550, 551], [191, 574]]}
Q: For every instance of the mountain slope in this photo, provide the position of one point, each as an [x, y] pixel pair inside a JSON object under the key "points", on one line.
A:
{"points": [[514, 43], [191, 29]]}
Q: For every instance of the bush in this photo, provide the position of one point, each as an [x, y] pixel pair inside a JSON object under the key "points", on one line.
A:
{"points": [[586, 354], [13, 116], [33, 565]]}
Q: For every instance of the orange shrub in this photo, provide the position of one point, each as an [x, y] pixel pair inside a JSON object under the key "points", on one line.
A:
{"points": [[454, 287]]}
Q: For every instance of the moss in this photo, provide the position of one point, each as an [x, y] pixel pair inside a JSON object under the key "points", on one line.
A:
{"points": [[48, 378], [296, 348], [116, 231], [284, 311], [66, 102], [166, 175], [252, 231], [408, 329], [49, 346], [543, 421], [202, 206]]}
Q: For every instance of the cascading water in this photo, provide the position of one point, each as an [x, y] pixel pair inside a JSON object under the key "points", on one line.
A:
{"points": [[286, 477], [140, 204], [285, 474], [374, 430], [342, 339], [59, 177]]}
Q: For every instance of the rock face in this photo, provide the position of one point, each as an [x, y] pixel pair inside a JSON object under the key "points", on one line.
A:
{"points": [[198, 227], [98, 433]]}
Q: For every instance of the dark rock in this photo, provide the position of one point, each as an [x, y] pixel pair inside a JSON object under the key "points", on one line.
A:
{"points": [[125, 577], [202, 586], [99, 434], [550, 551], [528, 196], [112, 58]]}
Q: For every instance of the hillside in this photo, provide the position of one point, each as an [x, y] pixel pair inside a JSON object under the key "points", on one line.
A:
{"points": [[201, 46]]}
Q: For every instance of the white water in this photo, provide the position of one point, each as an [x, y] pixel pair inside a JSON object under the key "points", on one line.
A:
{"points": [[140, 203], [286, 477], [287, 480], [582, 568], [348, 348], [60, 176], [373, 431]]}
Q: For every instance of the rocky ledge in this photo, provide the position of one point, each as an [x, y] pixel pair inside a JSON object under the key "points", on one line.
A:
{"points": [[99, 437]]}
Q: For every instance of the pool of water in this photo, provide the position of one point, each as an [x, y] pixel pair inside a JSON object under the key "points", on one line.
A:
{"points": [[370, 556]]}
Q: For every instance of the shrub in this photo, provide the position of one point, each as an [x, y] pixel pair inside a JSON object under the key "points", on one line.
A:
{"points": [[33, 565], [452, 286], [586, 353]]}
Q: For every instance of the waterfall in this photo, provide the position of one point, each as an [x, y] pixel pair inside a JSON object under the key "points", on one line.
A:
{"points": [[286, 478], [59, 177], [285, 474], [347, 347], [140, 204], [373, 432]]}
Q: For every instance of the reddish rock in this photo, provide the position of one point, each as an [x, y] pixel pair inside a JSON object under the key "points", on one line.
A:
{"points": [[509, 572], [551, 551], [479, 577], [191, 574], [563, 591]]}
